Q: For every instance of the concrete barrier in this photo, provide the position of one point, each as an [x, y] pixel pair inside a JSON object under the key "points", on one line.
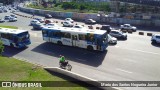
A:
{"points": [[79, 77], [141, 33], [149, 34], [97, 27], [90, 27], [130, 31]]}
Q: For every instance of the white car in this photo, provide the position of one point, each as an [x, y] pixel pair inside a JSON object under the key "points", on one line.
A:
{"points": [[69, 19], [78, 26], [67, 24], [34, 22], [51, 25], [13, 16], [12, 19], [155, 38], [40, 20], [112, 40], [128, 27]]}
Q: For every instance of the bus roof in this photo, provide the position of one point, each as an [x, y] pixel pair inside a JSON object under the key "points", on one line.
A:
{"points": [[76, 30], [11, 31]]}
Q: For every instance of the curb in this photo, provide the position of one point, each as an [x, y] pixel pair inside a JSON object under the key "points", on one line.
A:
{"points": [[79, 77]]}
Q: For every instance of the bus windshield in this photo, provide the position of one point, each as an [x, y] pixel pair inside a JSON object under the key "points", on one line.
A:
{"points": [[22, 37]]}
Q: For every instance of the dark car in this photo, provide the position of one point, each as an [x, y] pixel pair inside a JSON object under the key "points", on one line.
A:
{"points": [[48, 16], [106, 27], [118, 34], [90, 21]]}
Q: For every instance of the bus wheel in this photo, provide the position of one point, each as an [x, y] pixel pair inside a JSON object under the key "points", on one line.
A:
{"points": [[90, 48], [59, 43]]}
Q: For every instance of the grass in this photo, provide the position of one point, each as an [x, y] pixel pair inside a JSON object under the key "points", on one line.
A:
{"points": [[58, 8], [12, 27], [15, 70]]}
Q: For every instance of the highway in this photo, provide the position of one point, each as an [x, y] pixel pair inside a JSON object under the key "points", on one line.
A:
{"points": [[135, 59]]}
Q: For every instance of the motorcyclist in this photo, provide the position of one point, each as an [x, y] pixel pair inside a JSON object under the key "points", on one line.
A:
{"points": [[62, 60]]}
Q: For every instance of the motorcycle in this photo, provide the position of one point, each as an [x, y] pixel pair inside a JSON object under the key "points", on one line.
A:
{"points": [[65, 66]]}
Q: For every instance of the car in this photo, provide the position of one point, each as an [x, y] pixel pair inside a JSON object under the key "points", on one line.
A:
{"points": [[12, 15], [69, 19], [48, 21], [128, 27], [118, 34], [1, 11], [112, 40], [37, 26], [155, 39], [67, 24], [106, 27], [48, 16], [7, 17], [78, 26], [34, 22], [90, 21], [2, 20], [12, 19], [51, 25], [40, 20], [5, 10]]}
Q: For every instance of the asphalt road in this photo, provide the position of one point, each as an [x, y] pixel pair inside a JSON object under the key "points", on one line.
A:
{"points": [[135, 59]]}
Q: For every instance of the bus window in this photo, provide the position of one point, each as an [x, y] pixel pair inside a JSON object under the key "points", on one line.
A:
{"points": [[90, 38], [45, 33], [66, 35], [82, 37]]}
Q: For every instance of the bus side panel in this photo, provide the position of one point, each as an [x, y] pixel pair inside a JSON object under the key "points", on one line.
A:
{"points": [[67, 41]]}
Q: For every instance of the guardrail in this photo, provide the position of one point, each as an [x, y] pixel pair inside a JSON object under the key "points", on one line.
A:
{"points": [[79, 77]]}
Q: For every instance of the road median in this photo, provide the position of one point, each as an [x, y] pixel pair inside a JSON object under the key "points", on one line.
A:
{"points": [[79, 77]]}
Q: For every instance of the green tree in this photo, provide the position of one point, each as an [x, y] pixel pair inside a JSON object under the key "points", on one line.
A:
{"points": [[1, 47]]}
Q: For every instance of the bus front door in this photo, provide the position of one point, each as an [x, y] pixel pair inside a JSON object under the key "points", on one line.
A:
{"points": [[74, 40]]}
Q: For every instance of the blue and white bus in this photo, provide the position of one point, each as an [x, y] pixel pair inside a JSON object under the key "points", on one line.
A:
{"points": [[83, 38], [14, 37]]}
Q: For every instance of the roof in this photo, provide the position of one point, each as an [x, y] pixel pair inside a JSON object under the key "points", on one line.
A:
{"points": [[12, 31], [76, 30]]}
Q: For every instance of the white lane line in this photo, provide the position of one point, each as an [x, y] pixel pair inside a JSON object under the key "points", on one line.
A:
{"points": [[143, 51], [129, 60], [139, 50], [124, 70]]}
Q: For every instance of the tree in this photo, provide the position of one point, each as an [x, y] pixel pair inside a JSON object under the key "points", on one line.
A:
{"points": [[1, 47]]}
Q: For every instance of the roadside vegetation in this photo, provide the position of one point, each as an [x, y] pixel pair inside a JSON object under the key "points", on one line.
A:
{"points": [[12, 27], [15, 70], [80, 7]]}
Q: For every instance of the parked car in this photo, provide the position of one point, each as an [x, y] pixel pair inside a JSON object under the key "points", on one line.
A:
{"points": [[155, 39], [90, 21], [12, 19], [34, 22], [69, 19], [128, 27], [2, 20], [107, 28], [7, 17], [112, 40], [118, 34], [67, 24], [78, 26], [48, 16], [40, 20]]}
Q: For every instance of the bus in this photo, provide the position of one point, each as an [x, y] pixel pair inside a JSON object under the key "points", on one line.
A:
{"points": [[76, 37], [14, 37]]}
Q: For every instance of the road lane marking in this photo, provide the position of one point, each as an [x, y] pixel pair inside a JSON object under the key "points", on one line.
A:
{"points": [[143, 51], [139, 50], [133, 61], [80, 59], [124, 70]]}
